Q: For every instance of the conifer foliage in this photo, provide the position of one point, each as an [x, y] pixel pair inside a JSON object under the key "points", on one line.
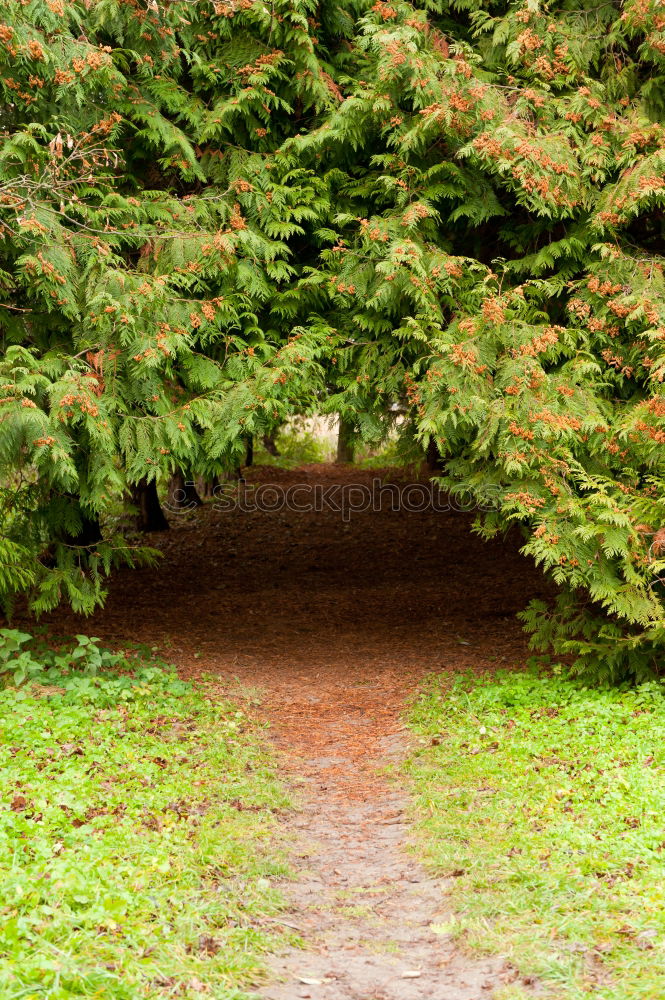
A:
{"points": [[217, 212]]}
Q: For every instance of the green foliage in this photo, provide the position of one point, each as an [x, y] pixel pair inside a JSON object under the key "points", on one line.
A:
{"points": [[544, 800], [135, 824], [216, 215], [71, 668]]}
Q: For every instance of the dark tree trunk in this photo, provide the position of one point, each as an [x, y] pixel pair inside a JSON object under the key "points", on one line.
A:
{"points": [[249, 454], [345, 441], [89, 534], [182, 492], [433, 458], [270, 446], [207, 487], [149, 515]]}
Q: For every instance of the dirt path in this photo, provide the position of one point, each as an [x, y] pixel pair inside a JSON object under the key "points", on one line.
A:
{"points": [[371, 917], [336, 623]]}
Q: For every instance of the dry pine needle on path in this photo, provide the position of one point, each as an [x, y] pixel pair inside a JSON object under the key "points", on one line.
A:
{"points": [[336, 622]]}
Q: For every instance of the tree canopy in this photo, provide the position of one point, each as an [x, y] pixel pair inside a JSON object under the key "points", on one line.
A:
{"points": [[214, 213]]}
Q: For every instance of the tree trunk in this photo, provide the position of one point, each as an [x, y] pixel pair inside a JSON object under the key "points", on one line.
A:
{"points": [[207, 487], [433, 458], [89, 534], [270, 446], [345, 441], [182, 492], [149, 516], [249, 454]]}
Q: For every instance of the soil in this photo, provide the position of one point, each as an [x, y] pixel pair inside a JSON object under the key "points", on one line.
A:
{"points": [[337, 623]]}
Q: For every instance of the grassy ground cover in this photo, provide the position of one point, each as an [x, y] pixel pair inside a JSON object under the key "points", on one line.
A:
{"points": [[136, 832], [545, 803]]}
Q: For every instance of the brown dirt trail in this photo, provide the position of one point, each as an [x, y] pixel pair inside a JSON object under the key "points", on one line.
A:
{"points": [[336, 623]]}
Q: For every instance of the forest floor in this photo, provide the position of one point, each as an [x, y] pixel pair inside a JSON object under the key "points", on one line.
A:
{"points": [[334, 624]]}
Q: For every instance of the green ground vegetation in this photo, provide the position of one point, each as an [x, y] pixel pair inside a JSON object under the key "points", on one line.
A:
{"points": [[138, 845], [544, 802]]}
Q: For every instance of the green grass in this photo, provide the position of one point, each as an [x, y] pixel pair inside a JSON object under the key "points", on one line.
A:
{"points": [[137, 836], [545, 804], [296, 447]]}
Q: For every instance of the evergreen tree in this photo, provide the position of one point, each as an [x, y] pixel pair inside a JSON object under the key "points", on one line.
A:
{"points": [[211, 212]]}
